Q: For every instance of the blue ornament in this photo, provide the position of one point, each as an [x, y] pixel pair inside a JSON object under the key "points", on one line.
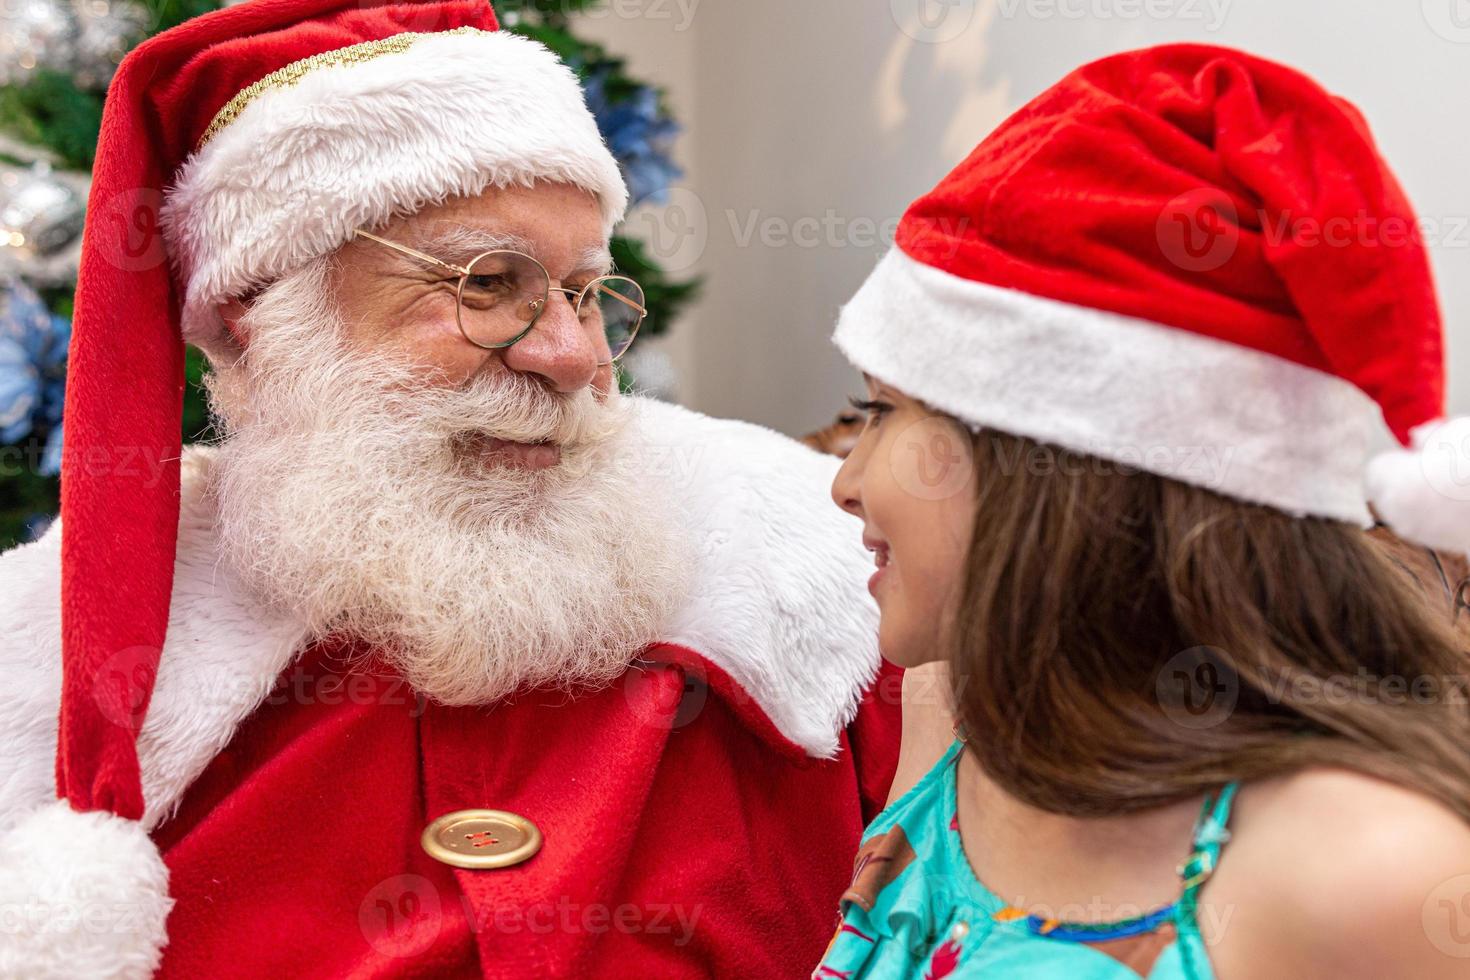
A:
{"points": [[51, 457], [33, 347], [638, 133], [20, 391]]}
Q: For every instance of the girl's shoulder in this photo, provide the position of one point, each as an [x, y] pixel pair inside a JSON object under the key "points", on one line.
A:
{"points": [[908, 893], [906, 849], [1349, 872]]}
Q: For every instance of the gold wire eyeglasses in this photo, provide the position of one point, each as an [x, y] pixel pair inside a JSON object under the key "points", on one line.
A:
{"points": [[502, 293]]}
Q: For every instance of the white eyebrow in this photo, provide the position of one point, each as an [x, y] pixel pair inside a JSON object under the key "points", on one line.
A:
{"points": [[596, 260], [460, 243]]}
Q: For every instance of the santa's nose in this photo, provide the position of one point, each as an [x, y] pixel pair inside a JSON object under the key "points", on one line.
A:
{"points": [[558, 350]]}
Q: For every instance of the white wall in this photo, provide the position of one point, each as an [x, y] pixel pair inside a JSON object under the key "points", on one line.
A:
{"points": [[810, 122]]}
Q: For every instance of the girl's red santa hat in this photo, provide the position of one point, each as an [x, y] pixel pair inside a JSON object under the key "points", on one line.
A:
{"points": [[234, 148], [1191, 261]]}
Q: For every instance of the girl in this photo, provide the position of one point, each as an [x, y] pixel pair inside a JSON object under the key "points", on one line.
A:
{"points": [[1122, 377]]}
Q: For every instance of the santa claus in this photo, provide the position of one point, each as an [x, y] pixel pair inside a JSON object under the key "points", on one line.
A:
{"points": [[446, 659]]}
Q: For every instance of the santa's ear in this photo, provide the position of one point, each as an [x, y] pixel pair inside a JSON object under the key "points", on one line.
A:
{"points": [[231, 312]]}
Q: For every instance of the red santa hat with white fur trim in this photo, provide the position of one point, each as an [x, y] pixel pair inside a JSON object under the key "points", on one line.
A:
{"points": [[234, 148], [1192, 261]]}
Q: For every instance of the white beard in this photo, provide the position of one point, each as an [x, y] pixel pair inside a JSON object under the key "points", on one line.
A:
{"points": [[342, 502]]}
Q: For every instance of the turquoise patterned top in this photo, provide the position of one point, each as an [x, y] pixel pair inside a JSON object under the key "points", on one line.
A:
{"points": [[915, 908]]}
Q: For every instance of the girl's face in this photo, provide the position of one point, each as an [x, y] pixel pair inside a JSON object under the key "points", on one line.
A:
{"points": [[911, 479]]}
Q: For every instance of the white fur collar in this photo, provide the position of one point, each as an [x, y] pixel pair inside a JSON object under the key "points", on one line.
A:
{"points": [[776, 601]]}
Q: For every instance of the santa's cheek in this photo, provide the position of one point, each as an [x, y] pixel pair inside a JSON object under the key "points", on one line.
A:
{"points": [[439, 349]]}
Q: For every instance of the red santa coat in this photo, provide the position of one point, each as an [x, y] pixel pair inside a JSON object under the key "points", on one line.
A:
{"points": [[699, 817]]}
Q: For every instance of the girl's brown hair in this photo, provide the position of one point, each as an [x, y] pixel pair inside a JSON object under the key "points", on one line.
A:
{"points": [[1123, 640]]}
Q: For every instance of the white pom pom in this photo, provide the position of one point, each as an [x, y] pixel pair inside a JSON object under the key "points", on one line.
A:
{"points": [[1423, 493], [83, 896]]}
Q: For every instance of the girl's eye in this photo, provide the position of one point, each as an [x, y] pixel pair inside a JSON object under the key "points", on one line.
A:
{"points": [[873, 410]]}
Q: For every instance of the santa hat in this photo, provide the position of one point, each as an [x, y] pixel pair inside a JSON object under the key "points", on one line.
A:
{"points": [[1190, 261], [234, 148]]}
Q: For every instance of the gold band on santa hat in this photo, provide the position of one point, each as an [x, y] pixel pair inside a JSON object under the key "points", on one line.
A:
{"points": [[291, 74]]}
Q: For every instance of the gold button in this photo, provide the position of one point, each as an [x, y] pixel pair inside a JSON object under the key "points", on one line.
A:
{"points": [[481, 839]]}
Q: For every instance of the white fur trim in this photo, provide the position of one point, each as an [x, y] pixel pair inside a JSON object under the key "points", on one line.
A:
{"points": [[351, 146], [84, 896], [220, 659], [1214, 414], [776, 592], [1423, 493], [776, 601]]}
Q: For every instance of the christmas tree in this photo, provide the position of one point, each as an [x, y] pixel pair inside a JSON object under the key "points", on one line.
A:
{"points": [[56, 60]]}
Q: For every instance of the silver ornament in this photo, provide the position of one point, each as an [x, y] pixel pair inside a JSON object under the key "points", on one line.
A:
{"points": [[40, 215], [108, 29], [35, 34], [56, 268]]}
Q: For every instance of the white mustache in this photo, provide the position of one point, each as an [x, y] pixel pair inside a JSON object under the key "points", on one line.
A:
{"points": [[510, 407]]}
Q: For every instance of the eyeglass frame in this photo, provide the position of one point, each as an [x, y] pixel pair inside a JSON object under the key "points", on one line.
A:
{"points": [[464, 272]]}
